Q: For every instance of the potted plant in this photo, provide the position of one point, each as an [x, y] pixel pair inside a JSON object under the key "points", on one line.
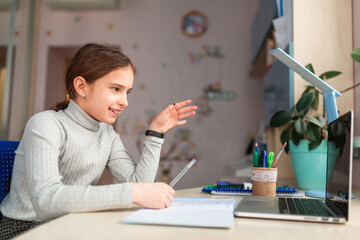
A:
{"points": [[306, 136], [298, 119]]}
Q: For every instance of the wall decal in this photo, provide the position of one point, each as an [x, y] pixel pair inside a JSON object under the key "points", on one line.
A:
{"points": [[135, 46], [142, 86], [163, 65], [211, 91], [204, 108], [110, 26], [194, 24], [206, 52]]}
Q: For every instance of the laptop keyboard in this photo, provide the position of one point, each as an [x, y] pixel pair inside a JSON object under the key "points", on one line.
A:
{"points": [[303, 206]]}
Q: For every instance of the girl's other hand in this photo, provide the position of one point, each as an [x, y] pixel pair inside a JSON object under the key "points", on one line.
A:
{"points": [[172, 115]]}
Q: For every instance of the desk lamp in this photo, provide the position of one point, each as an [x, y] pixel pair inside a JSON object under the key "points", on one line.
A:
{"points": [[329, 94]]}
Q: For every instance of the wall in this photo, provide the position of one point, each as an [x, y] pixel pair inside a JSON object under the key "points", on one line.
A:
{"points": [[327, 44], [149, 33], [356, 34], [16, 96], [327, 48]]}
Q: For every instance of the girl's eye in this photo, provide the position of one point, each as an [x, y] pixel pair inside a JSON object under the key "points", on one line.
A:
{"points": [[127, 93], [116, 89]]}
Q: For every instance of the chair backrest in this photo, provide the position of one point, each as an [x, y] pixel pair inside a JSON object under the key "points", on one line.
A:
{"points": [[7, 154]]}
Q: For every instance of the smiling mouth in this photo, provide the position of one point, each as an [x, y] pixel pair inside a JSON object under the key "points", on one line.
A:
{"points": [[115, 110]]}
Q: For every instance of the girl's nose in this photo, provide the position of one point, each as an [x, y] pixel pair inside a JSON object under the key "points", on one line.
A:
{"points": [[123, 101]]}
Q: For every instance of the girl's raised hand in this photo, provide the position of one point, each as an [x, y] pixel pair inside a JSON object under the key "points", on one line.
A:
{"points": [[172, 115]]}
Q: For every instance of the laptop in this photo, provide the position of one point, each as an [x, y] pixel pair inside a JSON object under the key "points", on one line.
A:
{"points": [[334, 207]]}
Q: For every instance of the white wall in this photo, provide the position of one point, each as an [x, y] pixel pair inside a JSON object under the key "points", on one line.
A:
{"points": [[356, 26], [356, 34], [154, 26], [16, 97]]}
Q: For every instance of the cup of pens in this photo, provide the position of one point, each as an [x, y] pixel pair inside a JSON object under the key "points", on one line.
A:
{"points": [[264, 172]]}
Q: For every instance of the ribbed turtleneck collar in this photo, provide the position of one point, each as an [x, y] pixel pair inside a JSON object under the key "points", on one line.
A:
{"points": [[80, 117]]}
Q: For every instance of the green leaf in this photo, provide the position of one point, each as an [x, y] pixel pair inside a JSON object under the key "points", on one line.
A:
{"points": [[313, 132], [280, 118], [356, 54], [293, 110], [284, 137], [300, 126], [315, 103], [313, 120], [310, 68], [314, 144], [295, 137], [329, 74], [309, 89], [303, 105]]}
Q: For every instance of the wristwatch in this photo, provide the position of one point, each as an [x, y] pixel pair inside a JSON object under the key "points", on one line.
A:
{"points": [[154, 134]]}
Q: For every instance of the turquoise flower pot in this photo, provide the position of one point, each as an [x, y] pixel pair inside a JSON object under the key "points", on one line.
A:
{"points": [[310, 166]]}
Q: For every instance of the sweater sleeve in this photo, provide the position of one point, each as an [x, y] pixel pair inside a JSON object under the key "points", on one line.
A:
{"points": [[126, 170], [50, 198]]}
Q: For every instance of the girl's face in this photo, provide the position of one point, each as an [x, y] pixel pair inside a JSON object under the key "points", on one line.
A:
{"points": [[106, 98]]}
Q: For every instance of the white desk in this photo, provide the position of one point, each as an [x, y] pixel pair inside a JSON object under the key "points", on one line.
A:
{"points": [[107, 225]]}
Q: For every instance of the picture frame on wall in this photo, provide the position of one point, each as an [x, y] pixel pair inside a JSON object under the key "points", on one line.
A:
{"points": [[194, 24]]}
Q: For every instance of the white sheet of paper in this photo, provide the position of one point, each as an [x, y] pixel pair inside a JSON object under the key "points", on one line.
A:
{"points": [[195, 212]]}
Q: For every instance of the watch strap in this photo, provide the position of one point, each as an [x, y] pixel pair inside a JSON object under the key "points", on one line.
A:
{"points": [[154, 134]]}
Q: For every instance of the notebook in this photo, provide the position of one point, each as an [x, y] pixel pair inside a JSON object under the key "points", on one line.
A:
{"points": [[335, 207], [231, 188], [280, 192], [245, 189], [193, 212]]}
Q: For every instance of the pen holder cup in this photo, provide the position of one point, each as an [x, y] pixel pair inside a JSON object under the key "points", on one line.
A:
{"points": [[264, 181]]}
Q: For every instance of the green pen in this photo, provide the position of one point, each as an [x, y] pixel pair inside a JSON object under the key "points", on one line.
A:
{"points": [[270, 159], [256, 159]]}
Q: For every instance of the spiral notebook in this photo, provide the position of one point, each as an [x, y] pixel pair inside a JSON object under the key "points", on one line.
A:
{"points": [[245, 189]]}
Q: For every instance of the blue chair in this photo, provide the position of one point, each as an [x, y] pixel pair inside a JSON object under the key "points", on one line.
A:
{"points": [[7, 154]]}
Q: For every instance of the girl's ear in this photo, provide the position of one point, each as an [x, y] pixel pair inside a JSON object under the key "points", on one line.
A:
{"points": [[80, 85]]}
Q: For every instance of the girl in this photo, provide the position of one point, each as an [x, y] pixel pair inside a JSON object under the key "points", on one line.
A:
{"points": [[64, 151]]}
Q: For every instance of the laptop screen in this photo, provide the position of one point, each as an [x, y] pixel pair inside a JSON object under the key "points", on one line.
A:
{"points": [[339, 159]]}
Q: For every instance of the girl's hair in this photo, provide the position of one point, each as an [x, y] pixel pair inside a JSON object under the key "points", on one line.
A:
{"points": [[92, 61]]}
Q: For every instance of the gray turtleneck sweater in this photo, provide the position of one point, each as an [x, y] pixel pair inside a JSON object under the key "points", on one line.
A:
{"points": [[60, 159]]}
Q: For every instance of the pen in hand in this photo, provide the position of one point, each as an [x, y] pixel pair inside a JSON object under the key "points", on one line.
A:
{"points": [[182, 172]]}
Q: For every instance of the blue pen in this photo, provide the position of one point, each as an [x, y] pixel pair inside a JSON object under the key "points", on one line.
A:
{"points": [[264, 159]]}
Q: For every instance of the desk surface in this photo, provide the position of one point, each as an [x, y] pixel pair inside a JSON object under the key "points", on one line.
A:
{"points": [[108, 225]]}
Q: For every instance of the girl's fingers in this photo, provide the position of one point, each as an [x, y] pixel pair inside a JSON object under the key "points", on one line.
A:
{"points": [[182, 122], [182, 104], [172, 191], [187, 109], [185, 115]]}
